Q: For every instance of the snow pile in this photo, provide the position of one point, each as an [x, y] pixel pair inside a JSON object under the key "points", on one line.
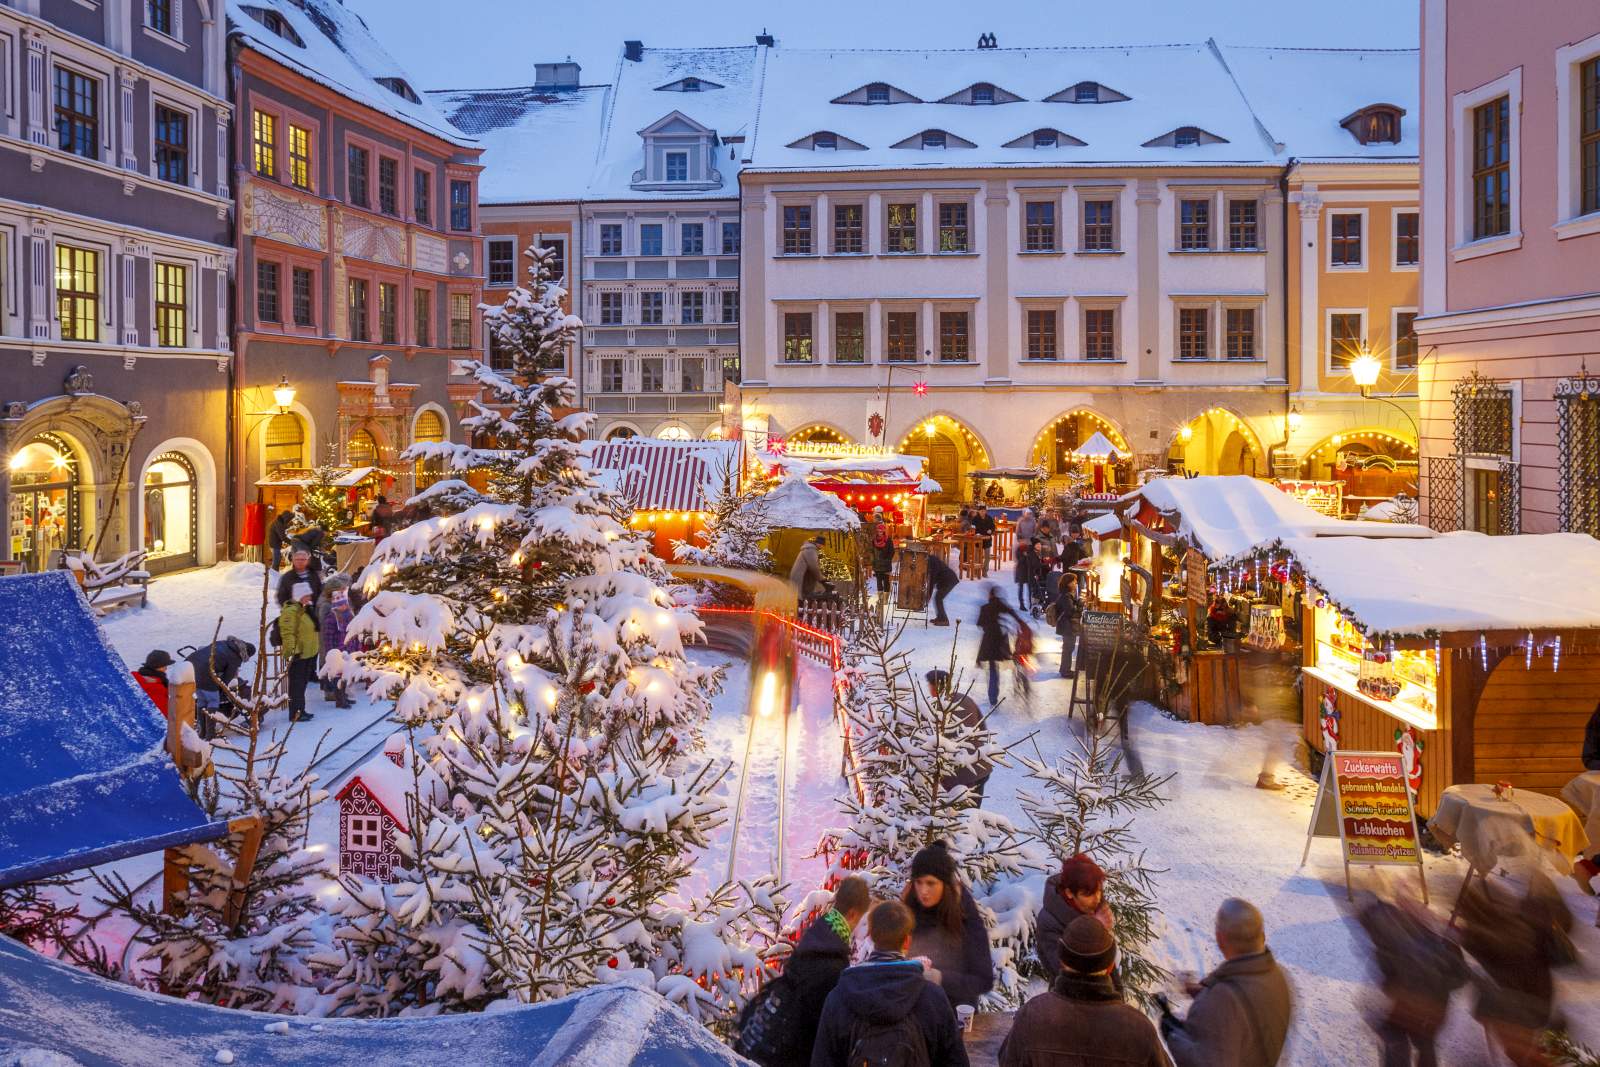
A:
{"points": [[795, 505]]}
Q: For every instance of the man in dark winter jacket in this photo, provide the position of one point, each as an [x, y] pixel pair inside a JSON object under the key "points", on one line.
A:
{"points": [[303, 567], [278, 535], [976, 777], [813, 970], [1241, 1010], [942, 578], [216, 665], [1082, 1020], [886, 1003]]}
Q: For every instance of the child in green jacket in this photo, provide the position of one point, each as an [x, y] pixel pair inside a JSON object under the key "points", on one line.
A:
{"points": [[297, 627]]}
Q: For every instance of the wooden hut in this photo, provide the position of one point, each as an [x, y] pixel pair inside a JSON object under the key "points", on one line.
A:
{"points": [[1478, 658], [669, 483]]}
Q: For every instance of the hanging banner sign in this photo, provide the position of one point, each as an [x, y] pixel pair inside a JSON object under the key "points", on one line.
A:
{"points": [[1362, 799]]}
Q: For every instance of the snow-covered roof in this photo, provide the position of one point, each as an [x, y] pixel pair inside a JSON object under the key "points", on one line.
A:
{"points": [[1230, 515], [873, 469], [638, 101], [1302, 94], [539, 143], [1098, 447], [1167, 87], [1102, 526], [661, 475], [795, 505], [346, 477], [390, 784], [55, 1014], [333, 47], [1457, 582]]}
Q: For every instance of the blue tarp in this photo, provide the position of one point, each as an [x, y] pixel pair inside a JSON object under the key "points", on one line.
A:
{"points": [[84, 778], [95, 1023]]}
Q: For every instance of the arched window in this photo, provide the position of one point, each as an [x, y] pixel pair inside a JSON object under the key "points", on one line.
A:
{"points": [[361, 450], [621, 433], [286, 443], [44, 501], [428, 427], [674, 433]]}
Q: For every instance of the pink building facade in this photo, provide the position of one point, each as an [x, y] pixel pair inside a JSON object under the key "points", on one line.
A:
{"points": [[1509, 332]]}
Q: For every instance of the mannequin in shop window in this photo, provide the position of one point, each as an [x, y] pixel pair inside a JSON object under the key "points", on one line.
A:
{"points": [[155, 514]]}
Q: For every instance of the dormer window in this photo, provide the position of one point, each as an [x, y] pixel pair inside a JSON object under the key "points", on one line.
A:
{"points": [[1377, 124], [677, 166], [274, 24], [691, 85], [1186, 137], [877, 93], [1087, 92], [983, 93], [1044, 138], [827, 141], [933, 139], [824, 142], [398, 87], [679, 153]]}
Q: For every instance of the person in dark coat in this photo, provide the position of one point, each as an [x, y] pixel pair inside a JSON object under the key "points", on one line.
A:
{"points": [[215, 666], [950, 935], [1519, 944], [813, 970], [881, 537], [334, 613], [943, 580], [976, 777], [302, 568], [382, 518], [278, 535], [1027, 561], [1082, 1021], [886, 990], [152, 677], [1069, 611], [1241, 1010], [994, 643], [983, 526], [1079, 889], [1418, 970]]}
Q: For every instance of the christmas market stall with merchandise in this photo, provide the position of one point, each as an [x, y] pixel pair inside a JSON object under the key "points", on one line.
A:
{"points": [[1230, 645], [796, 511], [862, 476], [1477, 658], [669, 483]]}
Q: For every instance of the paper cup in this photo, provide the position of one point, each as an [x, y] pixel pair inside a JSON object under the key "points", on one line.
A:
{"points": [[964, 1014]]}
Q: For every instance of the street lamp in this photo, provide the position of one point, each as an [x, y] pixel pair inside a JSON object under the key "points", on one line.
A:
{"points": [[283, 394], [1296, 420], [1364, 370]]}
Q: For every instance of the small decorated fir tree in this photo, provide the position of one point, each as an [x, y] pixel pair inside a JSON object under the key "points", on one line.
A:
{"points": [[324, 502], [734, 530]]}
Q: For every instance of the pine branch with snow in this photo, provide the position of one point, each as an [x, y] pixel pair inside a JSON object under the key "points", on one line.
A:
{"points": [[734, 530]]}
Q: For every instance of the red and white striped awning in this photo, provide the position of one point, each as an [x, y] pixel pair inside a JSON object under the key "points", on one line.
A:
{"points": [[658, 475]]}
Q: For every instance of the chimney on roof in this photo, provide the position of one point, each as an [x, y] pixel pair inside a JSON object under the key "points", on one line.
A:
{"points": [[563, 75], [633, 51], [766, 39], [988, 40]]}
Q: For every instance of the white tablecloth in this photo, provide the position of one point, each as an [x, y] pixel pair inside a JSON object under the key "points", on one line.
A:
{"points": [[1583, 793], [1490, 830]]}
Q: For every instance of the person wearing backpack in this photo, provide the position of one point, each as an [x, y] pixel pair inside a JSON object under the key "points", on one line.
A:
{"points": [[1241, 1010], [950, 936], [886, 1012], [1082, 1020], [779, 1025]]}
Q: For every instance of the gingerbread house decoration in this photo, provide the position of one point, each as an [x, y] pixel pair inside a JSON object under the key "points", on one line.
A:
{"points": [[373, 810]]}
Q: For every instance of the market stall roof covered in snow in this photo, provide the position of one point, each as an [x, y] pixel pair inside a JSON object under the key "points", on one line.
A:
{"points": [[651, 89], [539, 143], [659, 475], [86, 1020], [329, 43], [867, 469], [795, 505], [1143, 93], [1302, 95], [1098, 446], [1103, 526], [342, 479], [1227, 515], [84, 774], [1457, 582]]}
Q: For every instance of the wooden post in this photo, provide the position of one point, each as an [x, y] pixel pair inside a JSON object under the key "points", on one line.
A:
{"points": [[252, 829], [174, 880], [180, 713]]}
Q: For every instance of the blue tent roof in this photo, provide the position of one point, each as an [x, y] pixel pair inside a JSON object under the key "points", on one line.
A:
{"points": [[50, 1006], [84, 778]]}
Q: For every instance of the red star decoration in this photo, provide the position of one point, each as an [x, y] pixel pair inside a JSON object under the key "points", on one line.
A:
{"points": [[920, 388], [776, 445]]}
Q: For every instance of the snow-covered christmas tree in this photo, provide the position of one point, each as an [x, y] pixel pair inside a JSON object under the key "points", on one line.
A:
{"points": [[734, 530], [531, 651], [323, 501], [912, 745]]}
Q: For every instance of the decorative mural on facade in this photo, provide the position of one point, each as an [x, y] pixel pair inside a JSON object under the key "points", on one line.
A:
{"points": [[375, 241], [283, 218]]}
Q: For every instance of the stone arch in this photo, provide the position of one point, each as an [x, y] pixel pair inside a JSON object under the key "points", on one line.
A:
{"points": [[307, 422], [444, 418], [1043, 451], [673, 430], [205, 489], [99, 432], [1221, 441], [1317, 461], [820, 431], [621, 430], [951, 450]]}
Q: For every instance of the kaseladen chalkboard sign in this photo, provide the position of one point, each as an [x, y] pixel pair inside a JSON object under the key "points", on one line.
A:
{"points": [[1099, 630]]}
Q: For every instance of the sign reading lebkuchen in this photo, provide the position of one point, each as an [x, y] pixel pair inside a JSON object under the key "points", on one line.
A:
{"points": [[1363, 800]]}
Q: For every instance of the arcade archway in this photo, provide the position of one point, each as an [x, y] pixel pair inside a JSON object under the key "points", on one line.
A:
{"points": [[819, 433], [951, 450], [1055, 445], [1217, 441]]}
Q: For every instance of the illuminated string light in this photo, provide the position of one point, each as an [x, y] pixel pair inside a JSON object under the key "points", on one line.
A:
{"points": [[1528, 657]]}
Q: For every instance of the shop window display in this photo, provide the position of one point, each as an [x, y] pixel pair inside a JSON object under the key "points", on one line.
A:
{"points": [[169, 513], [43, 512], [1401, 682]]}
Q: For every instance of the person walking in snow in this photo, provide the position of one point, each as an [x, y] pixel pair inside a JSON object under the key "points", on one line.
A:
{"points": [[216, 667], [1027, 560], [1418, 969], [1241, 1010], [278, 535], [943, 580], [812, 972], [976, 777], [298, 629], [806, 572], [334, 614], [152, 678], [994, 643], [881, 537], [1027, 526], [1082, 1020], [949, 936], [888, 1009], [1519, 946], [1078, 889], [983, 526]]}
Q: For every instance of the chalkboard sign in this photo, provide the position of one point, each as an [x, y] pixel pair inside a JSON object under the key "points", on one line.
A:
{"points": [[1100, 630]]}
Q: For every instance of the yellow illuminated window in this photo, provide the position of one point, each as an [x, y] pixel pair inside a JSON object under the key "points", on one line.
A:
{"points": [[172, 293], [266, 144], [299, 156], [78, 293]]}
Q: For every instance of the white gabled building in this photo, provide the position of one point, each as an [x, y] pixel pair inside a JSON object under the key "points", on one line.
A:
{"points": [[1055, 240], [661, 238]]}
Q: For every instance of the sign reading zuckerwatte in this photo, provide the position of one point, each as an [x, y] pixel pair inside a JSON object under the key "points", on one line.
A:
{"points": [[1362, 799]]}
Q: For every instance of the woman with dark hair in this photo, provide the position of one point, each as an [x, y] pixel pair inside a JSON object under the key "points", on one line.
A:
{"points": [[949, 938], [1078, 890]]}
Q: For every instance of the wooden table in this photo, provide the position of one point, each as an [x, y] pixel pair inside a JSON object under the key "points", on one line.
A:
{"points": [[988, 1033], [1583, 793], [1491, 830]]}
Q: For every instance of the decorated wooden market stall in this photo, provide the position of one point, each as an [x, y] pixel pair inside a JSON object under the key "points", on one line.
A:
{"points": [[1476, 657], [285, 487], [669, 483], [861, 477], [1099, 458], [1228, 632], [1007, 487], [797, 511]]}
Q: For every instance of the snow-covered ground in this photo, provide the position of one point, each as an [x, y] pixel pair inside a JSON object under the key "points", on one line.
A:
{"points": [[1219, 836]]}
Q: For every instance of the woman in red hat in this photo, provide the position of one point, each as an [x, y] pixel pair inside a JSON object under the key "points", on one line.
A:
{"points": [[1078, 890]]}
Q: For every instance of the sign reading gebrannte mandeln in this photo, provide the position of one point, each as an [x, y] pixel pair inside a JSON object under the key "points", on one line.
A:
{"points": [[1375, 808]]}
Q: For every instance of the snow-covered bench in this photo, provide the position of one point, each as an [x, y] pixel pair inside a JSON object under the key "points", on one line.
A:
{"points": [[112, 584]]}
